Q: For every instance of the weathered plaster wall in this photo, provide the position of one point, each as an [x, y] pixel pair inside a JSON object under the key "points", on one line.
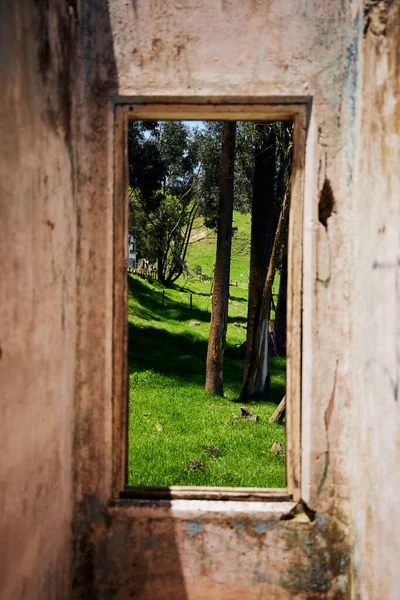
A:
{"points": [[56, 258], [191, 48], [376, 315], [37, 297]]}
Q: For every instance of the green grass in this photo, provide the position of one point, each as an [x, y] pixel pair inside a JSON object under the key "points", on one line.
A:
{"points": [[202, 252], [172, 421]]}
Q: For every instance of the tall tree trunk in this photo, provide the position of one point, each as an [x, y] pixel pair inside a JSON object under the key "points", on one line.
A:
{"points": [[253, 364], [160, 266], [280, 315], [263, 224], [219, 314]]}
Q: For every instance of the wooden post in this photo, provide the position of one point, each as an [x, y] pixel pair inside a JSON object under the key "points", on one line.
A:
{"points": [[163, 297], [191, 301], [236, 284]]}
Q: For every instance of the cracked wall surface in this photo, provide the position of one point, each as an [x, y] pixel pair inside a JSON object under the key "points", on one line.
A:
{"points": [[376, 315], [227, 48]]}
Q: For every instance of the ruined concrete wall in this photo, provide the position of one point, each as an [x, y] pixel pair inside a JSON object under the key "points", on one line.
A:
{"points": [[96, 85], [37, 297], [191, 48], [376, 314]]}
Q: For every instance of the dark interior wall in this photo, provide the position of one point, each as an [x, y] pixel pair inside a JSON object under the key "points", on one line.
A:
{"points": [[96, 86], [37, 296]]}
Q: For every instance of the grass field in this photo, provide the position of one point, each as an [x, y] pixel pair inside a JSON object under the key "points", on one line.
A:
{"points": [[178, 434]]}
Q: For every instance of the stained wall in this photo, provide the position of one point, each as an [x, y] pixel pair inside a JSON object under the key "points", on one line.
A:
{"points": [[37, 297], [62, 64], [376, 315], [182, 549]]}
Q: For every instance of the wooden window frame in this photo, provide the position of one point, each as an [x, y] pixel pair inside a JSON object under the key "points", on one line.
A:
{"points": [[296, 109]]}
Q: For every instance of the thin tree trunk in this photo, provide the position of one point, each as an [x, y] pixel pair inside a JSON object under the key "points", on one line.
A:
{"points": [[280, 313], [262, 382], [253, 361], [219, 314], [263, 224]]}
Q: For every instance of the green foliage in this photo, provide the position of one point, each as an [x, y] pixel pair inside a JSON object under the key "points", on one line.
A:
{"points": [[163, 203]]}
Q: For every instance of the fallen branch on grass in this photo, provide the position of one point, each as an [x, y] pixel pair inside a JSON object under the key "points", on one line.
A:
{"points": [[280, 412]]}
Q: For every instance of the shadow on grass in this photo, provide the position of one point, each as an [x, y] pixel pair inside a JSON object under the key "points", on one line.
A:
{"points": [[150, 307], [182, 356], [178, 355]]}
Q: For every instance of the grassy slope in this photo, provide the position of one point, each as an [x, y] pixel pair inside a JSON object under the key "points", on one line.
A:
{"points": [[172, 420]]}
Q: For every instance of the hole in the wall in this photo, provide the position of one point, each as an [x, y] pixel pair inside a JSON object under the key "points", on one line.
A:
{"points": [[299, 512], [326, 205]]}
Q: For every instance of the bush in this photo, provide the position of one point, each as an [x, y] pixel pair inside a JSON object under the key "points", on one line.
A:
{"points": [[197, 269]]}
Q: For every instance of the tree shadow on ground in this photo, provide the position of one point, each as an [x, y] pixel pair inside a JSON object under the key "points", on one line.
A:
{"points": [[183, 355], [151, 308]]}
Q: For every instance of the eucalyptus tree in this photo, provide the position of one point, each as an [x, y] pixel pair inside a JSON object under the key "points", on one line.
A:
{"points": [[272, 156], [219, 314]]}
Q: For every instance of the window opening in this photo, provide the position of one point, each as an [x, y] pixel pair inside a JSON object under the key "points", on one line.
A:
{"points": [[209, 228]]}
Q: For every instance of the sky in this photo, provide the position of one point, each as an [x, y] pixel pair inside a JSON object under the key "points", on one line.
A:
{"points": [[193, 124]]}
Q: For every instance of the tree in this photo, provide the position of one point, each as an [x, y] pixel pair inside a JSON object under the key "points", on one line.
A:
{"points": [[163, 177], [280, 314], [271, 167], [254, 359], [263, 225], [284, 166], [219, 315], [209, 147]]}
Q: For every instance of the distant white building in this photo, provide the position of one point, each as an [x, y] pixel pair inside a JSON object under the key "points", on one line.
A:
{"points": [[132, 252]]}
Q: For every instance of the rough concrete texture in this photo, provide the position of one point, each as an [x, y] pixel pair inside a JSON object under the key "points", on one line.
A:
{"points": [[62, 62], [37, 298], [376, 315], [202, 49]]}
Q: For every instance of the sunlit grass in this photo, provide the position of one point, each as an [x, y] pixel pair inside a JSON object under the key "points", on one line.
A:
{"points": [[172, 420]]}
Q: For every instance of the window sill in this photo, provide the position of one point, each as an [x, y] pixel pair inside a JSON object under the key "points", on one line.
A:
{"points": [[200, 508]]}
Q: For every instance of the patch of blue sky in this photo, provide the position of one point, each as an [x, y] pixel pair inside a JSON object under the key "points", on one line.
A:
{"points": [[193, 124]]}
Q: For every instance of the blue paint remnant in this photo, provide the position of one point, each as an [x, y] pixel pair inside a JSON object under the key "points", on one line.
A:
{"points": [[351, 76], [239, 526], [260, 527], [194, 527]]}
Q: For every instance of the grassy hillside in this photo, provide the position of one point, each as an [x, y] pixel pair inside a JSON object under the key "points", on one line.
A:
{"points": [[202, 252], [178, 434]]}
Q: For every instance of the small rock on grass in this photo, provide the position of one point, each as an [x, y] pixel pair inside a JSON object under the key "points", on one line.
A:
{"points": [[246, 414], [194, 323], [277, 448], [196, 465]]}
